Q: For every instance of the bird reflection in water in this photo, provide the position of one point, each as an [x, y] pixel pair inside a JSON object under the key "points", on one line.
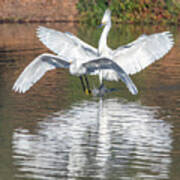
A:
{"points": [[112, 138]]}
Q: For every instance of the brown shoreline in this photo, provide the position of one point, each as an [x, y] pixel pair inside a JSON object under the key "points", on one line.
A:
{"points": [[38, 21], [38, 11]]}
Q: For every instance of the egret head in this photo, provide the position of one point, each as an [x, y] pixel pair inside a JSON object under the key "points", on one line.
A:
{"points": [[107, 17]]}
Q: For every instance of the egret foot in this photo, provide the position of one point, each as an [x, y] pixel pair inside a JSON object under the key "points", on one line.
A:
{"points": [[87, 92]]}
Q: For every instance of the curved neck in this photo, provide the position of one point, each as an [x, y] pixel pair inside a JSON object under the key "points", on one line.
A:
{"points": [[103, 39]]}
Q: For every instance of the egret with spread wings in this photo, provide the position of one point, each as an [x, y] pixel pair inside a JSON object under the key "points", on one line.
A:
{"points": [[137, 55], [45, 62], [132, 57]]}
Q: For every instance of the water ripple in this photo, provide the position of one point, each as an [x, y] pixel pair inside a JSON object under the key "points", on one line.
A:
{"points": [[107, 139]]}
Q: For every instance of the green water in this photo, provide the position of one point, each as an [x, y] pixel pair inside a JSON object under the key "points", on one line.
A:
{"points": [[54, 131]]}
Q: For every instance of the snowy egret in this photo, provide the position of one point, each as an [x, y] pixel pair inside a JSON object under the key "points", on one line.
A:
{"points": [[129, 59], [137, 55], [132, 57], [45, 62]]}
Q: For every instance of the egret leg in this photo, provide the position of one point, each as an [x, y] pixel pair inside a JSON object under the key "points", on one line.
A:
{"points": [[82, 83], [101, 86], [88, 90]]}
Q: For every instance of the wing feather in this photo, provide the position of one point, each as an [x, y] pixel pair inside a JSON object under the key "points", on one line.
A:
{"points": [[90, 49], [107, 64], [143, 52], [65, 44], [36, 69]]}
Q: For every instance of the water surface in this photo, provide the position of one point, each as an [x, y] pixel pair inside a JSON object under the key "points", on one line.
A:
{"points": [[54, 131]]}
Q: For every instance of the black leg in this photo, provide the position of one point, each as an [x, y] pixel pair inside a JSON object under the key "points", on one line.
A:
{"points": [[82, 83], [101, 86], [87, 83]]}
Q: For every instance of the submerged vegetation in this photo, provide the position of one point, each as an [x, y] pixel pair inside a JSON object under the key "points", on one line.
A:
{"points": [[128, 11]]}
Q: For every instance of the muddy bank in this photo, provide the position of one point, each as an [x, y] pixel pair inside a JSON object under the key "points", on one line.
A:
{"points": [[38, 10]]}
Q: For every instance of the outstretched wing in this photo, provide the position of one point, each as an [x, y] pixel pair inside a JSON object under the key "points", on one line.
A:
{"points": [[65, 44], [139, 54], [36, 69], [105, 63], [90, 49]]}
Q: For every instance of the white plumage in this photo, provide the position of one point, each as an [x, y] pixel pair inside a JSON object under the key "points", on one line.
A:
{"points": [[132, 57], [32, 73], [46, 62], [66, 44], [143, 52]]}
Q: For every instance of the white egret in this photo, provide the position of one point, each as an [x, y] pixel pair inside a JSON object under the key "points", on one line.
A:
{"points": [[136, 55], [132, 57], [45, 62]]}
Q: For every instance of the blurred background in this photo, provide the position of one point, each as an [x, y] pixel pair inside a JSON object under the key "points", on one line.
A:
{"points": [[126, 11]]}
